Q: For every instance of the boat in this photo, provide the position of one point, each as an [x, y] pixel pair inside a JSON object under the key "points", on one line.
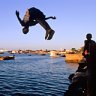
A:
{"points": [[1, 52], [7, 57], [62, 55], [53, 54]]}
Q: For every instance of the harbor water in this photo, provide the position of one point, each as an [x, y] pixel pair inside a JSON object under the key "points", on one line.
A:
{"points": [[35, 75]]}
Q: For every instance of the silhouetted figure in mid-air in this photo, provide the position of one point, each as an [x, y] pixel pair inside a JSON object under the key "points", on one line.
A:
{"points": [[34, 16]]}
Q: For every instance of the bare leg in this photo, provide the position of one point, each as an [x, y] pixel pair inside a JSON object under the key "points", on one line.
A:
{"points": [[49, 31]]}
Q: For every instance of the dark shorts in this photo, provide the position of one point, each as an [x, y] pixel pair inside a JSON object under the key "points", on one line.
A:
{"points": [[36, 14]]}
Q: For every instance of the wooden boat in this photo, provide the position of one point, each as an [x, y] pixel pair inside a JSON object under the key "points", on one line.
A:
{"points": [[7, 57]]}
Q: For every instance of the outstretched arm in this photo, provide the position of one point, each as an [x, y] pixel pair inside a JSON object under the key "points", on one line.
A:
{"points": [[51, 17], [21, 22]]}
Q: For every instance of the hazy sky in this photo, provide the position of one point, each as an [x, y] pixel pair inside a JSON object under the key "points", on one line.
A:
{"points": [[75, 18]]}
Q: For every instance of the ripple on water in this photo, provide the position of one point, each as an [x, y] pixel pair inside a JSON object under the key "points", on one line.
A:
{"points": [[34, 76]]}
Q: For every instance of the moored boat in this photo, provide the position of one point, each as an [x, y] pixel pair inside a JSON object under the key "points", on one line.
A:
{"points": [[7, 57]]}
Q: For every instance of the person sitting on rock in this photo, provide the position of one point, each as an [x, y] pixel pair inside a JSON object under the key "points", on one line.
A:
{"points": [[34, 16]]}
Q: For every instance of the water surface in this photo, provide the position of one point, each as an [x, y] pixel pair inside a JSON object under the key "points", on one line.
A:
{"points": [[35, 75]]}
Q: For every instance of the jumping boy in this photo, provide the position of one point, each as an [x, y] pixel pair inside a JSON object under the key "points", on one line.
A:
{"points": [[34, 16]]}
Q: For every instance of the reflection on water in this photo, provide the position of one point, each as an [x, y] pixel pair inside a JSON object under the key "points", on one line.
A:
{"points": [[35, 75]]}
